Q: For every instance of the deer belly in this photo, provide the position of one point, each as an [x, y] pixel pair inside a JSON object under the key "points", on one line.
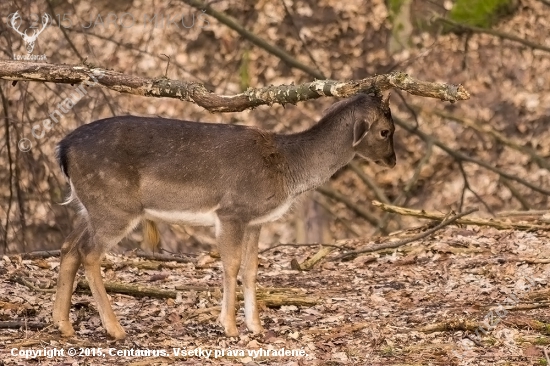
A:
{"points": [[193, 218]]}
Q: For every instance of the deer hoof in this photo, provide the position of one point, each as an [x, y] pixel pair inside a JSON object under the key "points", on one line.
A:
{"points": [[255, 328], [117, 332], [65, 328]]}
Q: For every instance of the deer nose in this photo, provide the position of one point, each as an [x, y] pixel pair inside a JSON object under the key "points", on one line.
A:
{"points": [[389, 161]]}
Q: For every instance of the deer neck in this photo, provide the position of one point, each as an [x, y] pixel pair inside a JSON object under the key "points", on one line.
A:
{"points": [[314, 155]]}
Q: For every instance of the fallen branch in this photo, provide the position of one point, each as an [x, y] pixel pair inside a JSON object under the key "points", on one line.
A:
{"points": [[540, 295], [22, 324], [450, 325], [269, 299], [56, 253], [500, 260], [25, 282], [146, 264], [261, 290], [501, 225], [308, 264], [132, 290], [338, 332], [197, 93], [39, 254], [298, 246], [523, 213], [522, 307], [523, 322], [339, 244], [396, 244], [164, 257]]}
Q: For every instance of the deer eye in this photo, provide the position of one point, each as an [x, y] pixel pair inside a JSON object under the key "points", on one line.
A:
{"points": [[384, 133]]}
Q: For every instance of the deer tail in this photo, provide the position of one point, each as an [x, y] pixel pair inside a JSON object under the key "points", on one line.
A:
{"points": [[151, 235]]}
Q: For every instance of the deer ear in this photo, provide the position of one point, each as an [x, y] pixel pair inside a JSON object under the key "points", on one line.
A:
{"points": [[360, 130]]}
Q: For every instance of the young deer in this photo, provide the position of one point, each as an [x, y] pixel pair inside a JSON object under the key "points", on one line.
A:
{"points": [[124, 170]]}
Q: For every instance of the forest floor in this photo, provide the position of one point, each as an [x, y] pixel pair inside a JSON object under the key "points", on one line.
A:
{"points": [[418, 305]]}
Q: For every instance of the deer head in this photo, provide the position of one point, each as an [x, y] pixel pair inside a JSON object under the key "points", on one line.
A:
{"points": [[29, 40], [373, 132]]}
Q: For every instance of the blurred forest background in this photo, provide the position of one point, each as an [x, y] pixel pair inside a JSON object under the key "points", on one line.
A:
{"points": [[491, 151]]}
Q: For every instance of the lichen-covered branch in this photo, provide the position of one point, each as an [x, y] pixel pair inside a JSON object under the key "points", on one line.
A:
{"points": [[197, 93]]}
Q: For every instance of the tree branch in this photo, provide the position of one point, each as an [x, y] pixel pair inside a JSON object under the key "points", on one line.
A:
{"points": [[197, 93], [483, 127], [501, 225], [258, 41], [463, 157]]}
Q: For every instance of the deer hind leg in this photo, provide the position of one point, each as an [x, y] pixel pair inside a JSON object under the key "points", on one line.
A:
{"points": [[250, 270], [70, 261], [229, 235], [108, 231]]}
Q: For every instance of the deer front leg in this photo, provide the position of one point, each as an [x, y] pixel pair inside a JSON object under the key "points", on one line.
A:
{"points": [[229, 235], [250, 270]]}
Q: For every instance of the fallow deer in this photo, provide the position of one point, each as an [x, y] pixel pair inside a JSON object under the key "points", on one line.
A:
{"points": [[125, 170]]}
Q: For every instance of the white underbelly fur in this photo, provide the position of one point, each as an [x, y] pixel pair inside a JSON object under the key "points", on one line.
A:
{"points": [[193, 218], [209, 218]]}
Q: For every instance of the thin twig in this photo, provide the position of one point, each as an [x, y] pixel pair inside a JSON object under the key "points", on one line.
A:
{"points": [[468, 187], [343, 221], [335, 195], [396, 244], [524, 204], [306, 49], [495, 33], [378, 192]]}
